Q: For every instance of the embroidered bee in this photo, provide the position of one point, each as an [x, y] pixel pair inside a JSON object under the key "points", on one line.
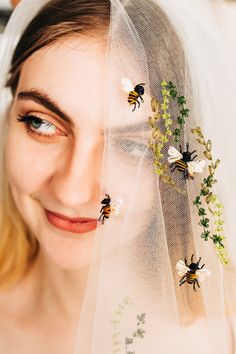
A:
{"points": [[191, 273], [134, 93], [109, 208], [183, 161]]}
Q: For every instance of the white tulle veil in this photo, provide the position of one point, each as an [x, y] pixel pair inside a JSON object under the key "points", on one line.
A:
{"points": [[135, 253]]}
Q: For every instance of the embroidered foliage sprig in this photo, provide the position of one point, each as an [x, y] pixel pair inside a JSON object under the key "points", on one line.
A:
{"points": [[183, 113], [159, 139], [117, 317], [139, 333], [212, 200]]}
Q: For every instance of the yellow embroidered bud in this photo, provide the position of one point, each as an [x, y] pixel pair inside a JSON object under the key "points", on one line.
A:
{"points": [[208, 155], [151, 121], [156, 133], [209, 198], [210, 168], [164, 83], [201, 141], [197, 131], [217, 163], [208, 145], [154, 104]]}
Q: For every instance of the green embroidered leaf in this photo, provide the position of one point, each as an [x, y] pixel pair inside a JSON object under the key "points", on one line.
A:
{"points": [[205, 235], [181, 100], [204, 222], [202, 212], [212, 200]]}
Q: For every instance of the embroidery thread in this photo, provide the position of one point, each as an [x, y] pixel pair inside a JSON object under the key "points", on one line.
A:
{"points": [[212, 201], [183, 113], [109, 208], [159, 139], [139, 333], [184, 162], [116, 320], [134, 92], [117, 343], [191, 273]]}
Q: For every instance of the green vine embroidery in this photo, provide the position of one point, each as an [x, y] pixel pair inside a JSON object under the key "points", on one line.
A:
{"points": [[139, 333], [184, 111], [117, 317], [117, 343], [212, 200], [159, 139]]}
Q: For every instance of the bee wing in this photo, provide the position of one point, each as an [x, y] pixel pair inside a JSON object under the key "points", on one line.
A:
{"points": [[116, 204], [175, 155], [182, 268], [196, 166], [127, 85], [203, 273]]}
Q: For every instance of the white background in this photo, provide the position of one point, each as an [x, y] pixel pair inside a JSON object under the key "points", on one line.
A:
{"points": [[5, 4]]}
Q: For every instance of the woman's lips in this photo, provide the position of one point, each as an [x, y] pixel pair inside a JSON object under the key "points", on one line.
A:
{"points": [[76, 225]]}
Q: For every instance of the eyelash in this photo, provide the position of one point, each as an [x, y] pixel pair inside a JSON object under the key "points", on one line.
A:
{"points": [[28, 120]]}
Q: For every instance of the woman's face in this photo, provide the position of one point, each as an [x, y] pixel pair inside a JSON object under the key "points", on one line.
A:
{"points": [[57, 143]]}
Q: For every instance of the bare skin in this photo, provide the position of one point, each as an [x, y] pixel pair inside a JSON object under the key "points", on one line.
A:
{"points": [[34, 318]]}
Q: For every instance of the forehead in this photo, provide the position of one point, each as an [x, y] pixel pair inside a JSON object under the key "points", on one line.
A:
{"points": [[82, 77], [77, 57]]}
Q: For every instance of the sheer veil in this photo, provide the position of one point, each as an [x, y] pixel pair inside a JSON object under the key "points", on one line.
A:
{"points": [[133, 302]]}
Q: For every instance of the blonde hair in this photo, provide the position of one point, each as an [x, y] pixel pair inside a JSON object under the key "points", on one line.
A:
{"points": [[18, 246]]}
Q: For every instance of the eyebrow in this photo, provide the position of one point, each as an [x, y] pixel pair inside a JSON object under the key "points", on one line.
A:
{"points": [[142, 126], [44, 100]]}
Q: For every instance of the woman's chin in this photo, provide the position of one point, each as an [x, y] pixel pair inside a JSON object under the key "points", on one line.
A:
{"points": [[66, 249]]}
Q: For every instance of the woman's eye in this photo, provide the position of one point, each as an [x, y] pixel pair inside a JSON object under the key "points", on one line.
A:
{"points": [[39, 126], [132, 148]]}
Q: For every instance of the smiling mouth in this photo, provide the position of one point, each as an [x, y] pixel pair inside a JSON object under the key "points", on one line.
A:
{"points": [[75, 225]]}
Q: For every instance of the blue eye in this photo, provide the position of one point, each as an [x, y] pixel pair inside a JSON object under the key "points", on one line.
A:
{"points": [[43, 126], [40, 127], [133, 148]]}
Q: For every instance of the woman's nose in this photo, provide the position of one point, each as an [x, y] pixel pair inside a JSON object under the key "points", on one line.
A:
{"points": [[77, 182]]}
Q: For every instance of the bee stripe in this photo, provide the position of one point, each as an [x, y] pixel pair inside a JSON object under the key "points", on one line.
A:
{"points": [[132, 98], [133, 94], [107, 211], [181, 165], [192, 276]]}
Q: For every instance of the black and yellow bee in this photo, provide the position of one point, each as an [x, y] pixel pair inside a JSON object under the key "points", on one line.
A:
{"points": [[191, 273], [134, 93], [183, 161], [109, 207]]}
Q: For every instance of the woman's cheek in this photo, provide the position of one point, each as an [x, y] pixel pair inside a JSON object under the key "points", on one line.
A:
{"points": [[124, 181], [28, 163]]}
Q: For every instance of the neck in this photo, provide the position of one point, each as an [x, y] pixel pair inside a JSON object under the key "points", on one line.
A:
{"points": [[54, 289]]}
